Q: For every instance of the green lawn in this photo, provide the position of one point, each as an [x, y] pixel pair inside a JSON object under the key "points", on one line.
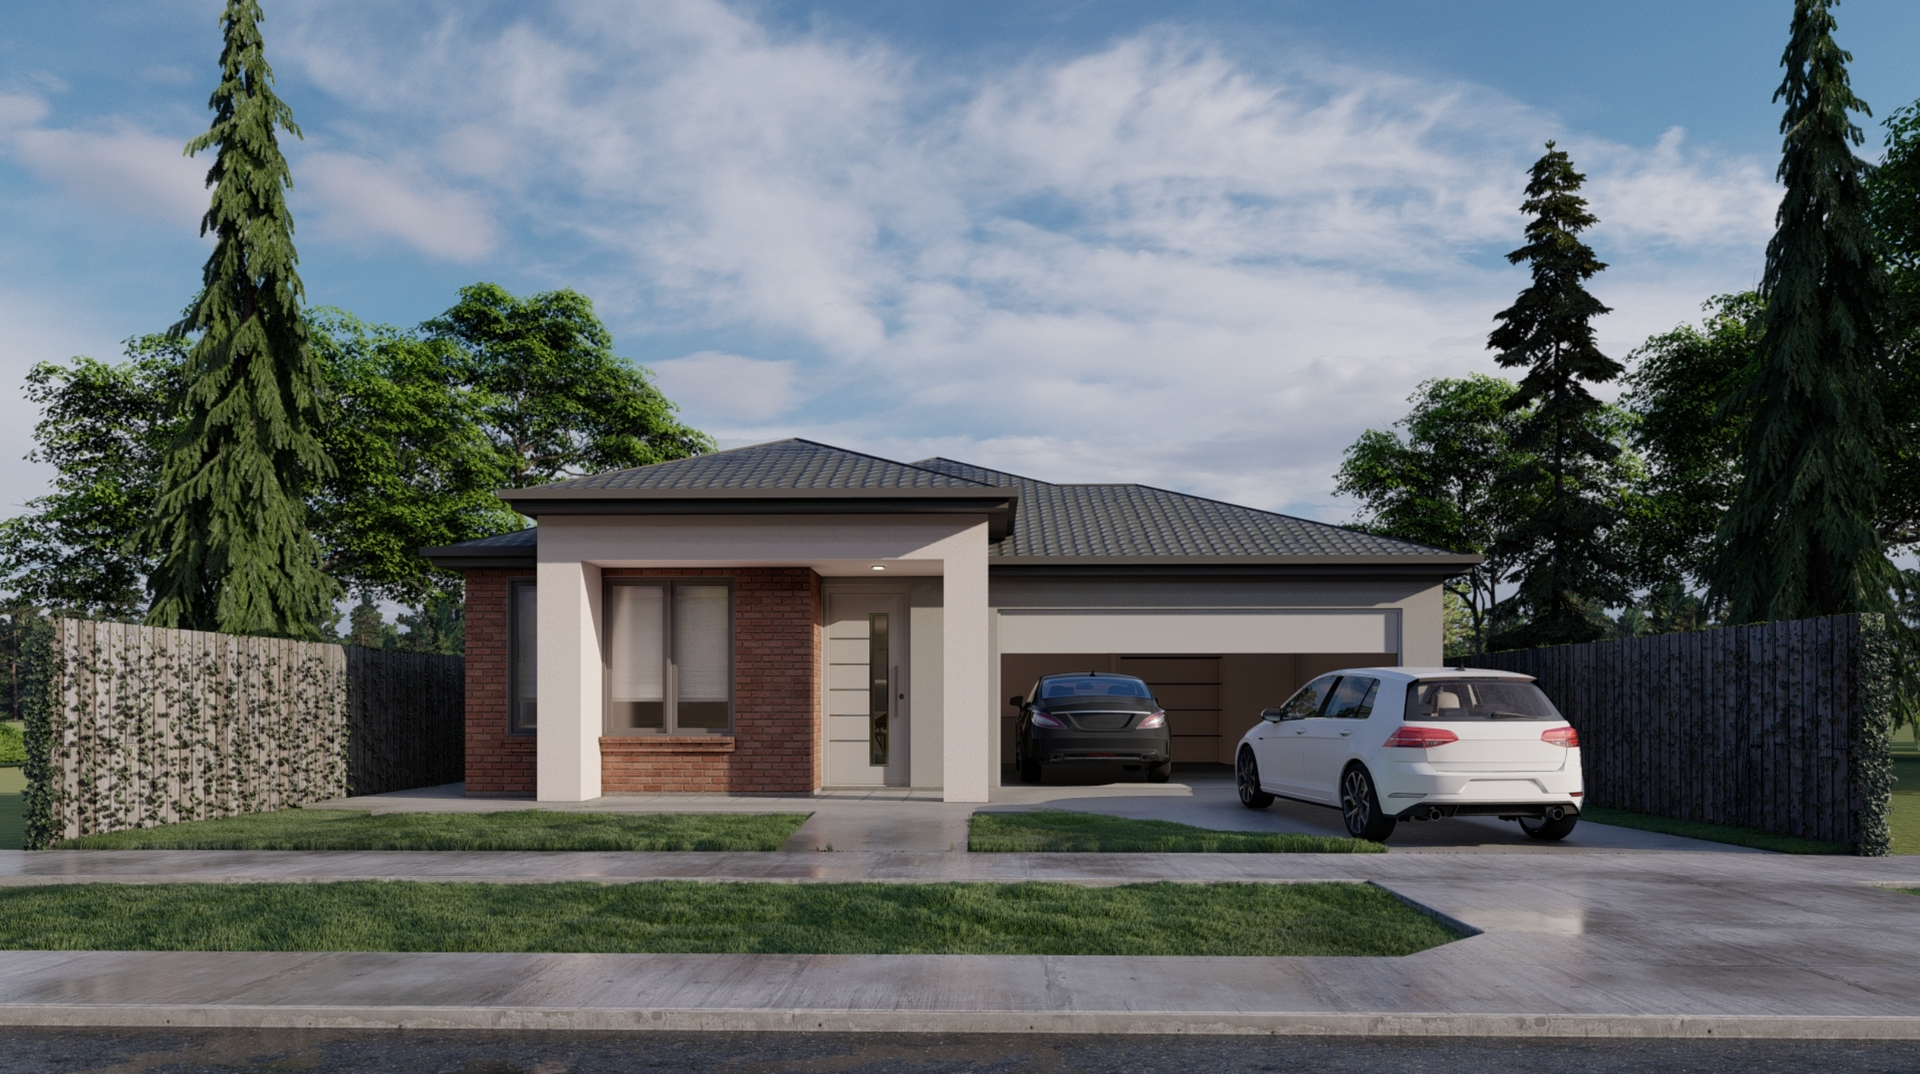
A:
{"points": [[528, 829], [683, 916], [1905, 818], [1713, 833], [1059, 830], [13, 808]]}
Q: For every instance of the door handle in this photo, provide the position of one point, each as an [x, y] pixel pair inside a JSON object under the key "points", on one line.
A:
{"points": [[1299, 730], [1347, 732]]}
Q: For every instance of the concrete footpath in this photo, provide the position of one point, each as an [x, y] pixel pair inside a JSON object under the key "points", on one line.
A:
{"points": [[1622, 943]]}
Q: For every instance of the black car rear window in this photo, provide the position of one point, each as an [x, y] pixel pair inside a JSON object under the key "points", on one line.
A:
{"points": [[1057, 688], [1478, 699]]}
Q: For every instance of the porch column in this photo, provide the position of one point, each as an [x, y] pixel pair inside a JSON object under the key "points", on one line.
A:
{"points": [[568, 767], [970, 766]]}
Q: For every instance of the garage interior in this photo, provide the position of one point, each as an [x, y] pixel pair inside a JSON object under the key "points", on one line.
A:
{"points": [[1211, 699]]}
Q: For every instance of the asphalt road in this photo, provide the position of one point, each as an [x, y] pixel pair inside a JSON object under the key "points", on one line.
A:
{"points": [[65, 1051]]}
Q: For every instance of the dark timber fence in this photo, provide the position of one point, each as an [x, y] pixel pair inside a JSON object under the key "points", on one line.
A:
{"points": [[132, 726], [1780, 727]]}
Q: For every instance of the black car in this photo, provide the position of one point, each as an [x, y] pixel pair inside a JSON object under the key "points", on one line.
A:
{"points": [[1091, 717]]}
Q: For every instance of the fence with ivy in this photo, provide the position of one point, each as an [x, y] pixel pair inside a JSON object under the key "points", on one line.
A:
{"points": [[1781, 727], [132, 726]]}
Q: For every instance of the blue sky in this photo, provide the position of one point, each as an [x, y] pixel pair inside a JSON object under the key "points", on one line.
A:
{"points": [[1200, 245]]}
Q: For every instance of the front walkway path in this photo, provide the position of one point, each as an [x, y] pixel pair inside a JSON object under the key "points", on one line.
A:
{"points": [[1620, 943]]}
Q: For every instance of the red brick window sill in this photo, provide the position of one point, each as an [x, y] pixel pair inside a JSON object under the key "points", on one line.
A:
{"points": [[667, 744]]}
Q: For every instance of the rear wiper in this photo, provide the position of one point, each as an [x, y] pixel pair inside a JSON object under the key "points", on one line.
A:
{"points": [[1498, 714]]}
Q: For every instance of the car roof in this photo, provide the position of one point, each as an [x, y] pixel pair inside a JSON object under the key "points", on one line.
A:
{"points": [[1089, 675], [1429, 674]]}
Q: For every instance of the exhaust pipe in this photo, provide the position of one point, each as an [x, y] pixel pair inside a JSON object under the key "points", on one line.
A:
{"points": [[1433, 813], [1556, 813]]}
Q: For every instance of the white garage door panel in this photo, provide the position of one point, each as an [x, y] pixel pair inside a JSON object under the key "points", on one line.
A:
{"points": [[1200, 632]]}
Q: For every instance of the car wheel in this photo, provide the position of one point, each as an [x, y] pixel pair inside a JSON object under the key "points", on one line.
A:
{"points": [[1029, 770], [1246, 776], [1160, 773], [1548, 831], [1360, 807]]}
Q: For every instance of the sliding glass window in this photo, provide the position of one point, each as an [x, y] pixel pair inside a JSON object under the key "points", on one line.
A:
{"points": [[522, 687], [669, 657]]}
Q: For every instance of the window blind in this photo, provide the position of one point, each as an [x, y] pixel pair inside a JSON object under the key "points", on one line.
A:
{"points": [[636, 640], [700, 642]]}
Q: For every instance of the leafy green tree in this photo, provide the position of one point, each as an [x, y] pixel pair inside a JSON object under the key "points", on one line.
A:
{"points": [[103, 428], [368, 628], [1800, 538], [233, 549], [439, 625], [1893, 198], [1683, 389], [555, 400], [1568, 570], [414, 465], [1457, 480]]}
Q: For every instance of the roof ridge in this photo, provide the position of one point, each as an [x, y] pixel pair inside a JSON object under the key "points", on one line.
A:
{"points": [[833, 448], [977, 466]]}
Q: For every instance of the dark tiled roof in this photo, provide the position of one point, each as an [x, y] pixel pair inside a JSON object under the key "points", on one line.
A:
{"points": [[1058, 523], [524, 538], [1139, 520], [783, 464]]}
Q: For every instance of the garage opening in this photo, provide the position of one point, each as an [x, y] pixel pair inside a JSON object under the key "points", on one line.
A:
{"points": [[1211, 699]]}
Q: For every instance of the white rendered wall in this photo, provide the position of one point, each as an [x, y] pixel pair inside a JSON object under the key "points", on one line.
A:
{"points": [[568, 763]]}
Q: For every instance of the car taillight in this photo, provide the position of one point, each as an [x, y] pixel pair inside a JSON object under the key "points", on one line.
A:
{"points": [[1158, 719], [1041, 719], [1421, 738], [1561, 736]]}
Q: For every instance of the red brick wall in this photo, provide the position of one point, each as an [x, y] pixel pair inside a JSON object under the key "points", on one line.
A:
{"points": [[499, 764], [775, 745]]}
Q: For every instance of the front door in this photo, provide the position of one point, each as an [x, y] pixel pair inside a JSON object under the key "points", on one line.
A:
{"points": [[866, 690]]}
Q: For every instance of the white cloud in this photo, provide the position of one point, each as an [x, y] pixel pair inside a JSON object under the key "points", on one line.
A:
{"points": [[362, 200], [1144, 262], [714, 384], [132, 171]]}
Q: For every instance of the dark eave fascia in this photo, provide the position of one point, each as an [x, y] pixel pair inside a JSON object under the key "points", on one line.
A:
{"points": [[997, 504], [455, 558], [1435, 567]]}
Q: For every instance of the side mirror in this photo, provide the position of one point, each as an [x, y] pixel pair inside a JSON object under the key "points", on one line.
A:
{"points": [[1271, 714], [1017, 701]]}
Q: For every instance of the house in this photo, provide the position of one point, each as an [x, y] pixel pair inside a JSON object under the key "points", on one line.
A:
{"points": [[791, 616]]}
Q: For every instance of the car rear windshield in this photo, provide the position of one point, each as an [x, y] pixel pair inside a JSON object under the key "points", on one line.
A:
{"points": [[1478, 699], [1090, 688]]}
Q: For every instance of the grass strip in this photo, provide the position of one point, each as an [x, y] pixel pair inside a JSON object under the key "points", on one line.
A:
{"points": [[1904, 819], [1713, 833], [529, 829], [13, 808], [691, 917], [1044, 830]]}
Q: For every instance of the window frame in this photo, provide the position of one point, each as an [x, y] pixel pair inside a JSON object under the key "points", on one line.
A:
{"points": [[670, 691], [514, 586]]}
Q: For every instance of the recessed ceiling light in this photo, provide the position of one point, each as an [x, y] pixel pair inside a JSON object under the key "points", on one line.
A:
{"points": [[878, 567]]}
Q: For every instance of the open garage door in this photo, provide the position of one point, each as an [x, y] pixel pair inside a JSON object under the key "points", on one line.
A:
{"points": [[1211, 699]]}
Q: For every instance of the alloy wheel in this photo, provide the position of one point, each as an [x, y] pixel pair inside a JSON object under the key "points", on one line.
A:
{"points": [[1356, 801]]}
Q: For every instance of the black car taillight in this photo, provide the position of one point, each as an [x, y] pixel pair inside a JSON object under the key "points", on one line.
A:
{"points": [[1042, 719], [1158, 719]]}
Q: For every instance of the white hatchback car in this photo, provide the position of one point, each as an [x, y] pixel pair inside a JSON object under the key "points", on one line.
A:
{"points": [[1390, 744]]}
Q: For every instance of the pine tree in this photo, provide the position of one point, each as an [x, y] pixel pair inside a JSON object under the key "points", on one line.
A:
{"points": [[1799, 539], [230, 530], [1567, 571]]}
